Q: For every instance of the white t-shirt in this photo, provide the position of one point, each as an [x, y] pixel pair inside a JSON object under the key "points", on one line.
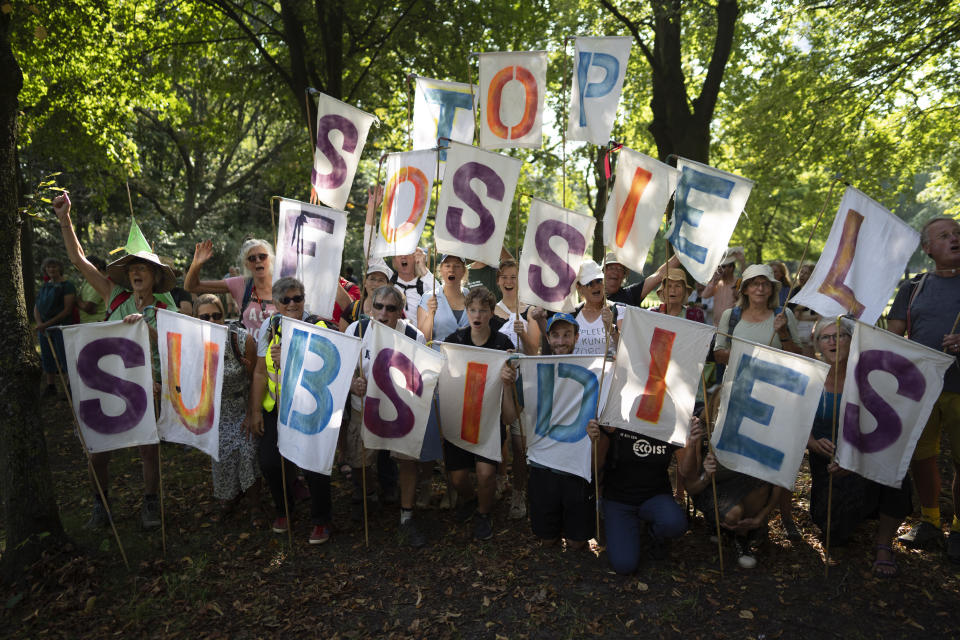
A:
{"points": [[593, 339], [409, 289]]}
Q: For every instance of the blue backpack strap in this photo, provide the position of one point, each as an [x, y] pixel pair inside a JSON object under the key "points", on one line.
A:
{"points": [[247, 294]]}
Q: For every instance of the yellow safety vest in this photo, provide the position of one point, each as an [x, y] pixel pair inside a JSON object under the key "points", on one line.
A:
{"points": [[273, 370]]}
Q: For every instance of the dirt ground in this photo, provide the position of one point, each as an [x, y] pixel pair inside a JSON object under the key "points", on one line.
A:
{"points": [[234, 578]]}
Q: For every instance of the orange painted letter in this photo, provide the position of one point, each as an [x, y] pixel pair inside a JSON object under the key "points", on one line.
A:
{"points": [[651, 402]]}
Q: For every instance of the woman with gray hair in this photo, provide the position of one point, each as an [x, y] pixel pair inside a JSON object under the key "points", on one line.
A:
{"points": [[855, 498]]}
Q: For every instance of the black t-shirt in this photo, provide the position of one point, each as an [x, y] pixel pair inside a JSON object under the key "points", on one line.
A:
{"points": [[636, 467], [497, 340], [631, 295]]}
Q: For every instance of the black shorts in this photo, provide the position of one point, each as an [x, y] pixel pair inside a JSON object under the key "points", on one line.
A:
{"points": [[561, 505], [456, 458]]}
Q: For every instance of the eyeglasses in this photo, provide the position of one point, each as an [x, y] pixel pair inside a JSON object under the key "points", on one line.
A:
{"points": [[258, 257], [391, 308], [216, 317], [288, 299], [832, 337], [760, 283]]}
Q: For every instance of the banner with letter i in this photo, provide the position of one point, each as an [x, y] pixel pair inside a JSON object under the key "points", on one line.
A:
{"points": [[707, 204], [191, 367], [111, 383], [341, 135], [599, 67], [317, 369]]}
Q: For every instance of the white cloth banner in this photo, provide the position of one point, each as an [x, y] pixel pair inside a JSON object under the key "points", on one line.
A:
{"points": [[657, 373], [406, 201], [600, 65], [111, 381], [400, 388], [892, 384], [315, 375], [850, 277], [641, 192], [191, 367], [443, 109], [560, 396], [470, 391], [341, 134], [767, 405], [512, 90], [309, 247], [554, 245], [473, 209], [707, 205]]}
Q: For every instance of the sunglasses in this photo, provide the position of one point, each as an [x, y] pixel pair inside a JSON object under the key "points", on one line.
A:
{"points": [[217, 316], [258, 257], [287, 300], [391, 308], [833, 337]]}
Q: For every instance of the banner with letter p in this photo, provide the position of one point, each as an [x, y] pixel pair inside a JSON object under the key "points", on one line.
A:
{"points": [[892, 384], [600, 65], [767, 405]]}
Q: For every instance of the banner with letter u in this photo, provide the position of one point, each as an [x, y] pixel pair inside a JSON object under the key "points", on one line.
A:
{"points": [[599, 67], [554, 247], [315, 374], [707, 204], [513, 86], [892, 384], [335, 163], [475, 202], [191, 367], [406, 201], [849, 278], [767, 405], [111, 382]]}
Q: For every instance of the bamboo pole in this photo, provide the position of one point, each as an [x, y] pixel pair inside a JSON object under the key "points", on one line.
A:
{"points": [[713, 477]]}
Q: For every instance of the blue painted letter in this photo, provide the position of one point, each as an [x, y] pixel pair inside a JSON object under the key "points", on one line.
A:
{"points": [[317, 383], [576, 430], [684, 213], [611, 68]]}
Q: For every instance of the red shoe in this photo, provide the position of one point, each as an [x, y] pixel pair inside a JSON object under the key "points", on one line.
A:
{"points": [[320, 534], [280, 525]]}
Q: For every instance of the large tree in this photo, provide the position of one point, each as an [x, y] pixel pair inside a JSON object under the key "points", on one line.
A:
{"points": [[30, 513]]}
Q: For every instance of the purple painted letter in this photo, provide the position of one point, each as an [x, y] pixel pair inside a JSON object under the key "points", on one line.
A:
{"points": [[338, 171], [403, 423], [577, 245], [461, 186], [135, 396]]}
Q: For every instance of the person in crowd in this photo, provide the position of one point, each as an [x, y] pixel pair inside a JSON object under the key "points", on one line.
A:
{"points": [[348, 274], [181, 297], [134, 287], [673, 291], [525, 336], [637, 493], [806, 318], [91, 306], [443, 312], [759, 318], [481, 274], [251, 293], [926, 310], [236, 470], [696, 299], [388, 306], [54, 307], [743, 503], [855, 498], [289, 299], [781, 275], [479, 303], [615, 273], [562, 505], [722, 288], [597, 318], [378, 275]]}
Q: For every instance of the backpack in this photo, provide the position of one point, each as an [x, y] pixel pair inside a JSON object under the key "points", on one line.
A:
{"points": [[361, 328], [419, 284], [916, 285], [247, 294], [122, 297]]}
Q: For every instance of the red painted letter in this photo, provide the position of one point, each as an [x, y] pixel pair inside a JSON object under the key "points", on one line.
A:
{"points": [[473, 402], [641, 178], [651, 402]]}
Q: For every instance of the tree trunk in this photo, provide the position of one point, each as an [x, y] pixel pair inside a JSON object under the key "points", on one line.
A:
{"points": [[26, 485], [600, 201]]}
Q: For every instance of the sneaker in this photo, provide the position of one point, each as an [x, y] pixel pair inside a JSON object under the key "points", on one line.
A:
{"points": [[953, 547], [280, 525], [410, 535], [745, 557], [518, 505], [150, 512], [320, 534], [482, 527], [100, 519], [465, 510], [922, 535]]}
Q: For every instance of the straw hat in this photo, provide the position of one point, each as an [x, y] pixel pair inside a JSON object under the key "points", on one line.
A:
{"points": [[117, 271], [675, 274]]}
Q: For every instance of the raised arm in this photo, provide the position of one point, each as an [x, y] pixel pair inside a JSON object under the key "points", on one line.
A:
{"points": [[100, 282], [192, 281], [651, 283]]}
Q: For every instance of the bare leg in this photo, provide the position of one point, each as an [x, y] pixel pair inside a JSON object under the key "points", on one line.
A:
{"points": [[884, 563], [926, 478], [101, 467], [460, 480], [486, 486], [407, 476]]}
